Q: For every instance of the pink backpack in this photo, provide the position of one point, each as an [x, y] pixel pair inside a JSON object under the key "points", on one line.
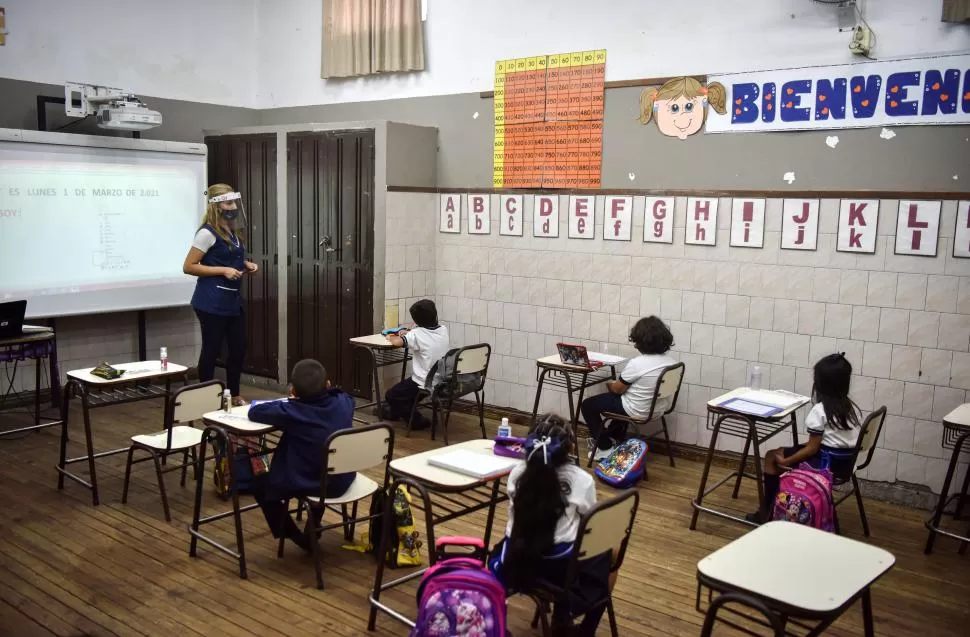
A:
{"points": [[805, 497], [459, 595]]}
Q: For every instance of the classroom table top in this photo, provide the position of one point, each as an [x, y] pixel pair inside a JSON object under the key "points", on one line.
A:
{"points": [[836, 568], [375, 341], [32, 337], [416, 466], [138, 370], [715, 403], [959, 417], [236, 421], [555, 361]]}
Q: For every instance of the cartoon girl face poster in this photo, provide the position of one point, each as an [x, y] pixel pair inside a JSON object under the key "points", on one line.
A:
{"points": [[680, 105]]}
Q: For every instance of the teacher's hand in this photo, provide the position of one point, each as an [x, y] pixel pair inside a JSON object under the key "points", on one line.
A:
{"points": [[251, 267], [231, 273]]}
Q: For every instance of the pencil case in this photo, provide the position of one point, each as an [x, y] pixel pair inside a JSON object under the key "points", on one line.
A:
{"points": [[509, 446], [107, 372], [391, 330]]}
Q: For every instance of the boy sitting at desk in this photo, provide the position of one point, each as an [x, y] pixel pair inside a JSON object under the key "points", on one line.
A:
{"points": [[427, 342], [312, 413]]}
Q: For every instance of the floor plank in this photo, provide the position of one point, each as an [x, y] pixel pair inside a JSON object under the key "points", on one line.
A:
{"points": [[70, 569]]}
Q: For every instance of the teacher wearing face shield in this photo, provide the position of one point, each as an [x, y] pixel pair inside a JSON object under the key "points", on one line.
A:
{"points": [[217, 258]]}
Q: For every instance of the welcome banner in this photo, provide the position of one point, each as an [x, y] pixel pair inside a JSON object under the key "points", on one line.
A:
{"points": [[924, 91]]}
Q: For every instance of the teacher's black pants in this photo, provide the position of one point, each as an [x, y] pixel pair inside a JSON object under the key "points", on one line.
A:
{"points": [[217, 329]]}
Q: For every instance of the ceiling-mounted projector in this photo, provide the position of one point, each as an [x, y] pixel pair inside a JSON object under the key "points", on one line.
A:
{"points": [[114, 108]]}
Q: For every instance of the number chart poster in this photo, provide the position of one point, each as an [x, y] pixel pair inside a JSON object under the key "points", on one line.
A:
{"points": [[549, 121]]}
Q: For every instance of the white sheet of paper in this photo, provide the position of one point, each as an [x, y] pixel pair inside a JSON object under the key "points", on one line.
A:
{"points": [[781, 399], [606, 359], [477, 465], [755, 409]]}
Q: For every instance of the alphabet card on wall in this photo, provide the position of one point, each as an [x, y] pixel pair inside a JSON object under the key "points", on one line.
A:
{"points": [[961, 236], [799, 224], [479, 217], [617, 218], [450, 218], [918, 227], [582, 217], [545, 216], [858, 221], [511, 215], [701, 228], [658, 220], [747, 223]]}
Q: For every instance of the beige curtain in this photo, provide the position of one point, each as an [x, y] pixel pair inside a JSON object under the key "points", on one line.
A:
{"points": [[364, 37]]}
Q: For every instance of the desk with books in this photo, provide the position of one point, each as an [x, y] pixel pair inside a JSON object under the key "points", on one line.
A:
{"points": [[756, 416], [458, 494], [382, 354]]}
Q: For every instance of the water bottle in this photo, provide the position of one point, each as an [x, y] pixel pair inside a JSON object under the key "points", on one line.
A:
{"points": [[227, 400], [505, 429], [163, 356], [755, 380]]}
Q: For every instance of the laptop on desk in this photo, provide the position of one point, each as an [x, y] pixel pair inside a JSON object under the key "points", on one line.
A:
{"points": [[12, 318], [576, 355]]}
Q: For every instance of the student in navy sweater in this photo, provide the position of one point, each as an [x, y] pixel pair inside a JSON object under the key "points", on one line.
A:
{"points": [[312, 413]]}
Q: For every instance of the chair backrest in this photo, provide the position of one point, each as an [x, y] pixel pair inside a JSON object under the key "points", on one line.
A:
{"points": [[473, 359], [871, 427], [668, 386], [358, 449], [607, 527], [774, 621], [192, 401]]}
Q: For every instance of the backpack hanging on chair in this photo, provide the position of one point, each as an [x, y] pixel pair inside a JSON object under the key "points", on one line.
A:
{"points": [[251, 459], [459, 595], [805, 497]]}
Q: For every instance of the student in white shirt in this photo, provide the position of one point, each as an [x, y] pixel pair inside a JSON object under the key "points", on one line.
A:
{"points": [[633, 392], [548, 494], [832, 426], [427, 343]]}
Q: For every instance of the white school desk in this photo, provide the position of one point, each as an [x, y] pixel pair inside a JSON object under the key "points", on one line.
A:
{"points": [[36, 346], [96, 392], [219, 424], [382, 354], [415, 472], [756, 430], [573, 378], [956, 435], [829, 575]]}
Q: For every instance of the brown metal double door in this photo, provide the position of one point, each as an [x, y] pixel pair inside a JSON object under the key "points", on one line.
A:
{"points": [[330, 269]]}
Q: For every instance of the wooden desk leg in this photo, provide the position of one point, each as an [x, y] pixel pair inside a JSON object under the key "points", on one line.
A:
{"points": [[378, 397], [384, 545], [704, 475], [573, 412], [934, 523], [491, 513], [742, 466], [199, 480], [867, 614], [756, 449], [89, 443], [535, 406], [236, 513]]}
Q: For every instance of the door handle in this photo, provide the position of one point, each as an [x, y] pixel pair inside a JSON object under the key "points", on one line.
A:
{"points": [[327, 243]]}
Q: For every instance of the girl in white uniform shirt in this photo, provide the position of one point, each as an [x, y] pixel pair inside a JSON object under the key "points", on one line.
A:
{"points": [[632, 393]]}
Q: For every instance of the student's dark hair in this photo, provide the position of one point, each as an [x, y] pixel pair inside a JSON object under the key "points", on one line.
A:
{"points": [[650, 335], [308, 378], [832, 376], [424, 313], [539, 501]]}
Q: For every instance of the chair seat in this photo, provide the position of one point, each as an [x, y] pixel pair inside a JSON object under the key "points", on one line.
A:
{"points": [[183, 437], [608, 415], [360, 488]]}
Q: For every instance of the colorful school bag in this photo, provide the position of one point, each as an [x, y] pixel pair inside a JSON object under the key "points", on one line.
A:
{"points": [[805, 497], [625, 466], [459, 595], [251, 460]]}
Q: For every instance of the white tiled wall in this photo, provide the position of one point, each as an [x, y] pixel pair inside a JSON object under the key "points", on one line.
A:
{"points": [[85, 341], [903, 321]]}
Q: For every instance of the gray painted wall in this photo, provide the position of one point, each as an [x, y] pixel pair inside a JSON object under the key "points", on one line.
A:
{"points": [[181, 121], [919, 158]]}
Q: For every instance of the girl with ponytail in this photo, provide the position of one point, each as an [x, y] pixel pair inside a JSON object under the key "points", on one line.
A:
{"points": [[548, 494]]}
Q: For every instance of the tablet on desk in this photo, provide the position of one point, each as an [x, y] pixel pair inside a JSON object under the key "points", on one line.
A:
{"points": [[751, 407]]}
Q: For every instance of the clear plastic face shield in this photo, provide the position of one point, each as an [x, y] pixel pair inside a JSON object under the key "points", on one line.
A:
{"points": [[232, 212]]}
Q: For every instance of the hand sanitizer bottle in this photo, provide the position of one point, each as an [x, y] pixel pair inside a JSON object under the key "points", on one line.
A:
{"points": [[505, 429], [227, 400], [755, 381]]}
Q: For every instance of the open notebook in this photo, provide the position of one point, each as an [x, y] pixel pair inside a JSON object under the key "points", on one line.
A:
{"points": [[476, 465]]}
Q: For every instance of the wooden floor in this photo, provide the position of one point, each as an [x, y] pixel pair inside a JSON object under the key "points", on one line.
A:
{"points": [[70, 569]]}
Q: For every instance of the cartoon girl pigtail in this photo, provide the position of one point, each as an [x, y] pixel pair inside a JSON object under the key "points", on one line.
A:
{"points": [[717, 97], [647, 98]]}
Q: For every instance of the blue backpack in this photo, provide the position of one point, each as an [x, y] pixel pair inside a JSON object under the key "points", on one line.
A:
{"points": [[624, 467]]}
